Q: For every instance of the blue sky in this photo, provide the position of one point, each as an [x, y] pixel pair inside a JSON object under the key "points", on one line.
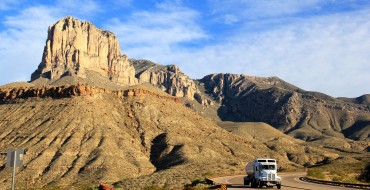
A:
{"points": [[317, 45]]}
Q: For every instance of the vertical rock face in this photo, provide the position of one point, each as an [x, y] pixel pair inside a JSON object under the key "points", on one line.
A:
{"points": [[169, 78], [74, 47]]}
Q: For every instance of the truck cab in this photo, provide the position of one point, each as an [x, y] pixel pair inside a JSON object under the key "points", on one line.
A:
{"points": [[262, 172]]}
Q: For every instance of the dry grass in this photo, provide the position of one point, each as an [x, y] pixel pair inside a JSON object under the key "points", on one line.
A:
{"points": [[340, 170]]}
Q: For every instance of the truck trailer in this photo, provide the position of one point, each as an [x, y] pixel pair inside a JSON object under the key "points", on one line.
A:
{"points": [[262, 172]]}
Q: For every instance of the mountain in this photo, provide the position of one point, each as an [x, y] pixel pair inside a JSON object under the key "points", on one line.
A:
{"points": [[75, 48], [92, 56], [301, 114], [92, 115], [169, 78]]}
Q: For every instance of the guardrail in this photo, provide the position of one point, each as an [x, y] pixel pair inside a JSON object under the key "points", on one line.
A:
{"points": [[333, 183]]}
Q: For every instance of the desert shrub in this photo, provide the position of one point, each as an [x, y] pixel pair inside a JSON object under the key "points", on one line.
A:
{"points": [[198, 184], [337, 172], [337, 179], [315, 173]]}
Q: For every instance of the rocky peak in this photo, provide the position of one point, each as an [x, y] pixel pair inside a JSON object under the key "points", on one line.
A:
{"points": [[222, 86], [169, 78], [73, 47], [173, 68]]}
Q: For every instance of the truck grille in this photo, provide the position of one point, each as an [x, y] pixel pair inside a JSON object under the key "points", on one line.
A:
{"points": [[271, 177]]}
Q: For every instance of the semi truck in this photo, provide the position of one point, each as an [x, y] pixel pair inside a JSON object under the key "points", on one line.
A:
{"points": [[262, 172]]}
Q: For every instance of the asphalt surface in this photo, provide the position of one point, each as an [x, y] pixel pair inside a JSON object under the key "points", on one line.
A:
{"points": [[289, 181]]}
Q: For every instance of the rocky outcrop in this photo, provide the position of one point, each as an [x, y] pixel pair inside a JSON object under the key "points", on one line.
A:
{"points": [[73, 47], [170, 79], [14, 94], [305, 115]]}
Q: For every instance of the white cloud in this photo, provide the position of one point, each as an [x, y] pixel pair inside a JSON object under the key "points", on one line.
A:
{"points": [[156, 31], [230, 19], [329, 54], [22, 43]]}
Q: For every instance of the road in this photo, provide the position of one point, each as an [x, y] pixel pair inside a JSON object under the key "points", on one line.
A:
{"points": [[290, 181]]}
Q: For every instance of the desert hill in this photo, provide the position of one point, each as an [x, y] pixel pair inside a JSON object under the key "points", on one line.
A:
{"points": [[256, 130], [90, 114], [81, 134]]}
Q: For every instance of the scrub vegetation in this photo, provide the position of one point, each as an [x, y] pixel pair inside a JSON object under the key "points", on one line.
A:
{"points": [[342, 171]]}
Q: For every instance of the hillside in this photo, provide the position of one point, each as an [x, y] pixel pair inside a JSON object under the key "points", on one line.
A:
{"points": [[301, 114], [97, 135]]}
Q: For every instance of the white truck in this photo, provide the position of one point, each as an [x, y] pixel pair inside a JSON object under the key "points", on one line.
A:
{"points": [[262, 172]]}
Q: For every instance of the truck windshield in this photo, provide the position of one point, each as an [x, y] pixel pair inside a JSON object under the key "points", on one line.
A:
{"points": [[268, 167]]}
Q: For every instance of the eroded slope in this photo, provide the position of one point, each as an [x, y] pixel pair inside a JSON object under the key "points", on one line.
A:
{"points": [[102, 136]]}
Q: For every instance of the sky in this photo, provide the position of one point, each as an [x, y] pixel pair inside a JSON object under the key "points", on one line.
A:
{"points": [[317, 45]]}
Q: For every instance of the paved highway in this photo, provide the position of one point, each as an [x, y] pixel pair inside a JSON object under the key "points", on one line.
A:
{"points": [[290, 181]]}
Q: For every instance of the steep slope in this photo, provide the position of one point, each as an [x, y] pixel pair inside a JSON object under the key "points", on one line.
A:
{"points": [[174, 82], [304, 115], [82, 134], [102, 137], [170, 79], [74, 48]]}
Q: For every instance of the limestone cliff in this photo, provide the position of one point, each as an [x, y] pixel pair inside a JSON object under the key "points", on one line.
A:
{"points": [[73, 47], [170, 79]]}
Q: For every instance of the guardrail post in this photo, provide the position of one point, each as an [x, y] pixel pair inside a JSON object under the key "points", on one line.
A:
{"points": [[14, 167]]}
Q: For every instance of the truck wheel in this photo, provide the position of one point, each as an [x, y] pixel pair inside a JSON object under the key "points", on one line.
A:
{"points": [[278, 186], [246, 182], [254, 183], [260, 184]]}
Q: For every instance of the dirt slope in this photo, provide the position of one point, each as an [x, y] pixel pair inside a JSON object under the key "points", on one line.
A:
{"points": [[104, 137]]}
